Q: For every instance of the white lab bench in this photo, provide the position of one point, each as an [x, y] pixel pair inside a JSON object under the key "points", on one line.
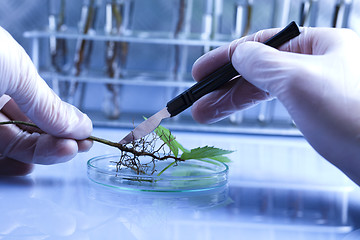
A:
{"points": [[278, 188]]}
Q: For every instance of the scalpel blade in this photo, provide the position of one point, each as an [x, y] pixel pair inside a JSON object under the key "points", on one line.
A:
{"points": [[146, 126]]}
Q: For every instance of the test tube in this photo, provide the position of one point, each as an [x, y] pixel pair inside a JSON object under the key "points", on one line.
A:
{"points": [[308, 13], [281, 12], [341, 13], [280, 18], [54, 7], [182, 26], [217, 17], [128, 9], [207, 23], [241, 27], [242, 18], [57, 46], [186, 32], [83, 47], [266, 112], [87, 20], [211, 21], [116, 54], [111, 106], [178, 28], [124, 12], [237, 118]]}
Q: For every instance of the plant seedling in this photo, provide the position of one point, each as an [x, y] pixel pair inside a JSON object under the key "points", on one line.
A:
{"points": [[159, 146]]}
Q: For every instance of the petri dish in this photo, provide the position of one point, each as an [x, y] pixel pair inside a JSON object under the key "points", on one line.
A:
{"points": [[187, 176]]}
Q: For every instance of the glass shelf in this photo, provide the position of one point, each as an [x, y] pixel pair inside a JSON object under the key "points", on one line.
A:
{"points": [[136, 37], [132, 78]]}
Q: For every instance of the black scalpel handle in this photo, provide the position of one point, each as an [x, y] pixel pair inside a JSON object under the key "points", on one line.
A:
{"points": [[223, 74]]}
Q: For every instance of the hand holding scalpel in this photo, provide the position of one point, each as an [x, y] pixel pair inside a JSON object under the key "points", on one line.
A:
{"points": [[208, 84]]}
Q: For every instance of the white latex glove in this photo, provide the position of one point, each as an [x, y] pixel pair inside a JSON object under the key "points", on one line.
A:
{"points": [[64, 127], [316, 76]]}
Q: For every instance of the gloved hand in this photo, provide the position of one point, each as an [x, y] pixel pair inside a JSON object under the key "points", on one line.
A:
{"points": [[316, 76], [25, 96]]}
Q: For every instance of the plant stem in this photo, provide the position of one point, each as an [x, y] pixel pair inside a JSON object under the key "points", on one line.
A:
{"points": [[168, 166], [122, 147]]}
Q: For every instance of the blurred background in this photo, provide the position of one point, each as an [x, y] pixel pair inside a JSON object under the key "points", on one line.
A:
{"points": [[120, 60]]}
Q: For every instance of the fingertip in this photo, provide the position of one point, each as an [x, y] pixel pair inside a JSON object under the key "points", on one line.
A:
{"points": [[73, 123], [197, 113], [86, 126], [52, 150], [4, 99], [84, 145], [203, 112], [66, 148], [78, 126]]}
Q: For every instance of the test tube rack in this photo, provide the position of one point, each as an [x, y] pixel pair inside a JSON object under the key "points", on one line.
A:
{"points": [[150, 52]]}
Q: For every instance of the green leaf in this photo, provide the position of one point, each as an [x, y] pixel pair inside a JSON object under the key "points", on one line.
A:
{"points": [[204, 152], [170, 140], [201, 153], [223, 159], [166, 136], [209, 160]]}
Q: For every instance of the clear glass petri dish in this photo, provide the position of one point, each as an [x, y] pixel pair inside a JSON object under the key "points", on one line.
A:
{"points": [[187, 176]]}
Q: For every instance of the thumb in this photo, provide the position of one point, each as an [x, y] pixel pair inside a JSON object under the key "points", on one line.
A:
{"points": [[277, 72], [20, 80]]}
